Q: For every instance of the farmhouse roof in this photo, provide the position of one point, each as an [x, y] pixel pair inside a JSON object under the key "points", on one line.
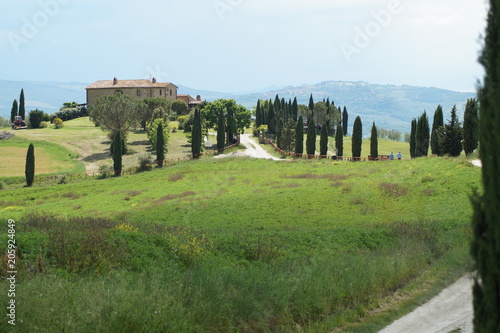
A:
{"points": [[116, 84]]}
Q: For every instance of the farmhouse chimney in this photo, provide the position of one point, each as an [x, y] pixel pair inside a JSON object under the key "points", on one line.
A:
{"points": [[198, 98], [153, 80], [115, 81]]}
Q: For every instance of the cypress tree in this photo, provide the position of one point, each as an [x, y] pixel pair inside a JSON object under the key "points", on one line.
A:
{"points": [[471, 126], [323, 141], [451, 136], [345, 118], [29, 170], [299, 136], [311, 103], [196, 135], [311, 138], [339, 140], [13, 111], [117, 153], [160, 145], [374, 142], [422, 136], [258, 115], [221, 136], [436, 124], [357, 137], [295, 109], [271, 126], [22, 111], [486, 217], [413, 137]]}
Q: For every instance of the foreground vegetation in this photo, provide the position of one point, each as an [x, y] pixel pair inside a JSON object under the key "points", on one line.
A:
{"points": [[236, 244]]}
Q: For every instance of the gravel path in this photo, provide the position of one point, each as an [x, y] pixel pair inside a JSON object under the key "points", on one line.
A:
{"points": [[253, 149], [450, 311]]}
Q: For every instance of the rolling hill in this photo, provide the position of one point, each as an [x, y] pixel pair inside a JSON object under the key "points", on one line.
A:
{"points": [[390, 106]]}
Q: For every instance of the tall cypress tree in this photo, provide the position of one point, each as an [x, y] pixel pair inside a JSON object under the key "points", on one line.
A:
{"points": [[345, 119], [374, 142], [471, 126], [451, 136], [271, 126], [436, 125], [299, 136], [22, 111], [413, 138], [311, 138], [196, 135], [311, 103], [295, 109], [323, 141], [422, 136], [339, 140], [486, 218], [14, 111], [258, 115], [29, 170], [357, 137], [221, 130], [117, 153], [160, 145]]}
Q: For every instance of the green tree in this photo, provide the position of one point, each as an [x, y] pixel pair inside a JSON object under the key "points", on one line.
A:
{"points": [[323, 141], [36, 117], [357, 137], [221, 132], [117, 112], [160, 145], [299, 136], [486, 218], [14, 111], [422, 136], [345, 119], [153, 132], [339, 140], [179, 107], [436, 124], [22, 110], [287, 139], [471, 126], [311, 103], [29, 170], [258, 115], [450, 136], [413, 138], [155, 108], [311, 138], [237, 117], [196, 138], [117, 153], [295, 109], [374, 142]]}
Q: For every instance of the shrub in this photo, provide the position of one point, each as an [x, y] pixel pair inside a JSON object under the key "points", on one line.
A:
{"points": [[44, 124], [105, 171], [36, 117], [182, 120], [4, 135], [152, 132], [70, 113], [58, 123], [145, 160]]}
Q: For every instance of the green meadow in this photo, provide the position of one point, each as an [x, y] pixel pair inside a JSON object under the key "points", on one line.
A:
{"points": [[239, 245]]}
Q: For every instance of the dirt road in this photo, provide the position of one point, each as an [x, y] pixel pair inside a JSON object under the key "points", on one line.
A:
{"points": [[253, 149], [450, 311]]}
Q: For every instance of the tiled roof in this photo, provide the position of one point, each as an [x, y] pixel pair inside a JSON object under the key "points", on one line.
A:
{"points": [[117, 84]]}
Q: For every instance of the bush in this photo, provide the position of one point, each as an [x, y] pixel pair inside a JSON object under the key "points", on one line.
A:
{"points": [[58, 123], [4, 135], [182, 120], [106, 171], [68, 114], [145, 160], [44, 124], [36, 117], [152, 132]]}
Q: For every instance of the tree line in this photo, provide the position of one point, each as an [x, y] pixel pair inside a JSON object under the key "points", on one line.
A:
{"points": [[446, 139]]}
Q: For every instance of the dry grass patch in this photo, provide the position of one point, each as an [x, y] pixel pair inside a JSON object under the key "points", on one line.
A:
{"points": [[395, 190], [168, 197]]}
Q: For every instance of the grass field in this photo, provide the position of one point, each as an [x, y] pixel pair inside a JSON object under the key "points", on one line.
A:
{"points": [[239, 245], [49, 158]]}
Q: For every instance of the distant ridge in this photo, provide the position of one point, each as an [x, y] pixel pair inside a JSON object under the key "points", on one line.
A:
{"points": [[390, 106]]}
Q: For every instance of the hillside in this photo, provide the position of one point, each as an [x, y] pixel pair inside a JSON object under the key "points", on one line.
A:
{"points": [[390, 106]]}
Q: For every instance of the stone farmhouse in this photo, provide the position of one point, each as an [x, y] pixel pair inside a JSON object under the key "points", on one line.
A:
{"points": [[138, 89]]}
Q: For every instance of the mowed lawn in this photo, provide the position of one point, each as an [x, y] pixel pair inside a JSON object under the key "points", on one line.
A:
{"points": [[49, 158]]}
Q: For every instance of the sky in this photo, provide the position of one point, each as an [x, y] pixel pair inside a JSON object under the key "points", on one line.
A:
{"points": [[244, 45]]}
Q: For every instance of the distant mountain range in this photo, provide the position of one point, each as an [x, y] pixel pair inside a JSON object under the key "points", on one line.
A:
{"points": [[390, 106]]}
